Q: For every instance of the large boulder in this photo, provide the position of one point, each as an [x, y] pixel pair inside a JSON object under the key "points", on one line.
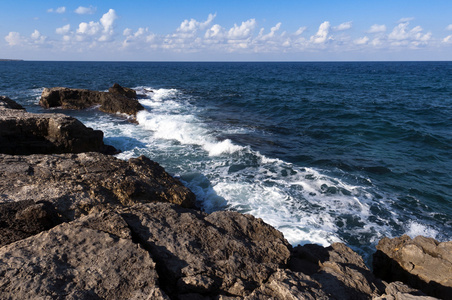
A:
{"points": [[422, 263], [23, 133], [117, 100], [77, 184], [92, 258]]}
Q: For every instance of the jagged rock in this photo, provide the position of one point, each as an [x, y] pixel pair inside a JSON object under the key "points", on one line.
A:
{"points": [[200, 255], [422, 263], [77, 184], [117, 100], [399, 291], [23, 133], [19, 220], [6, 103], [75, 261], [117, 89], [339, 270]]}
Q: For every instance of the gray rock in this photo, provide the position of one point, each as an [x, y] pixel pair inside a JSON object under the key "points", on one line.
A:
{"points": [[23, 133], [340, 271], [116, 100], [399, 291], [200, 255], [77, 184], [422, 263], [6, 103], [75, 261]]}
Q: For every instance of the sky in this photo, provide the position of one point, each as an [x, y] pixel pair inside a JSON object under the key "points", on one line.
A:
{"points": [[264, 30]]}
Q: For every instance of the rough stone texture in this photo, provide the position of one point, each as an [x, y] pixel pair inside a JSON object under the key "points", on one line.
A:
{"points": [[6, 103], [200, 255], [340, 271], [75, 261], [399, 291], [114, 101], [24, 133], [77, 184], [19, 220], [117, 89], [422, 263]]}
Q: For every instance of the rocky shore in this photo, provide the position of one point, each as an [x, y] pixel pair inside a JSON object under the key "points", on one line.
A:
{"points": [[76, 223]]}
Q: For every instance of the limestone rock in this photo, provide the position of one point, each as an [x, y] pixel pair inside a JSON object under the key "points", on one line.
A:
{"points": [[399, 291], [6, 103], [74, 261], [422, 263], [23, 133], [77, 184], [339, 270], [200, 255], [116, 100]]}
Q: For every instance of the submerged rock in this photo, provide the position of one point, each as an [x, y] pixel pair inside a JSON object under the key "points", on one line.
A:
{"points": [[23, 133], [118, 99], [422, 263], [77, 184]]}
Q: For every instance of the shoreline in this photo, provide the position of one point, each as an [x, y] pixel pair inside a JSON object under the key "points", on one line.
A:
{"points": [[223, 254]]}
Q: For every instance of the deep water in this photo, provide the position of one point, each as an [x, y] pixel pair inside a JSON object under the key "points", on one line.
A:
{"points": [[325, 152]]}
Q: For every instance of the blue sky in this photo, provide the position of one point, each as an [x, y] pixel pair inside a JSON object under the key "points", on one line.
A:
{"points": [[226, 30]]}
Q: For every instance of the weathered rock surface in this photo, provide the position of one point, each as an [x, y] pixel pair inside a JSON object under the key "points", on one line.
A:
{"points": [[77, 184], [76, 261], [24, 133], [422, 263], [399, 291], [118, 99]]}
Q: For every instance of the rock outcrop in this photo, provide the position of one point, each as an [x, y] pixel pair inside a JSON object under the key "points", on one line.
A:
{"points": [[24, 133], [422, 263], [118, 99], [77, 184]]}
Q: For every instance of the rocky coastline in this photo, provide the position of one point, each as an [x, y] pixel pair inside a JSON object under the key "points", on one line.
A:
{"points": [[78, 223]]}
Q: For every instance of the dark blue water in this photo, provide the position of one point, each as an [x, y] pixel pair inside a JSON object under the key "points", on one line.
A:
{"points": [[323, 151]]}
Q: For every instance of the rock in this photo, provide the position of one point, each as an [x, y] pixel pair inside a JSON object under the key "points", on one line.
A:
{"points": [[340, 271], [75, 261], [200, 255], [23, 133], [399, 291], [116, 100], [19, 220], [6, 103], [77, 184], [117, 89], [421, 263]]}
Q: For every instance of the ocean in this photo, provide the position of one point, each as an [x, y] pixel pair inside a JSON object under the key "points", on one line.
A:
{"points": [[325, 151]]}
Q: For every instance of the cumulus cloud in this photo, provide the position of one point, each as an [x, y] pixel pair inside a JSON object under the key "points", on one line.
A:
{"points": [[448, 39], [343, 26], [104, 27], [403, 35], [405, 20], [85, 10], [59, 10], [361, 41], [300, 30], [243, 31], [322, 34], [449, 27], [271, 34], [193, 25], [377, 28], [14, 39], [63, 30]]}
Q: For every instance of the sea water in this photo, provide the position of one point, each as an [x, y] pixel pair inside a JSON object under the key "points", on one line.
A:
{"points": [[325, 152]]}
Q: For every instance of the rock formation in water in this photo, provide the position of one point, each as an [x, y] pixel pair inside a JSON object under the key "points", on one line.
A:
{"points": [[90, 226], [116, 100], [26, 133]]}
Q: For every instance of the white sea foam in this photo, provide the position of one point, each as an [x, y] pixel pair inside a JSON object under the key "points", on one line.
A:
{"points": [[414, 229]]}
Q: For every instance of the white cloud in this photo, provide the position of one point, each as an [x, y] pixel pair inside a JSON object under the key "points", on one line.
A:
{"points": [[343, 26], [271, 34], [59, 10], [405, 20], [37, 37], [449, 27], [300, 30], [377, 28], [104, 27], [90, 28], [85, 10], [63, 30], [448, 39], [243, 31], [362, 41], [108, 19], [14, 39], [193, 25], [402, 35], [216, 31], [322, 34]]}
